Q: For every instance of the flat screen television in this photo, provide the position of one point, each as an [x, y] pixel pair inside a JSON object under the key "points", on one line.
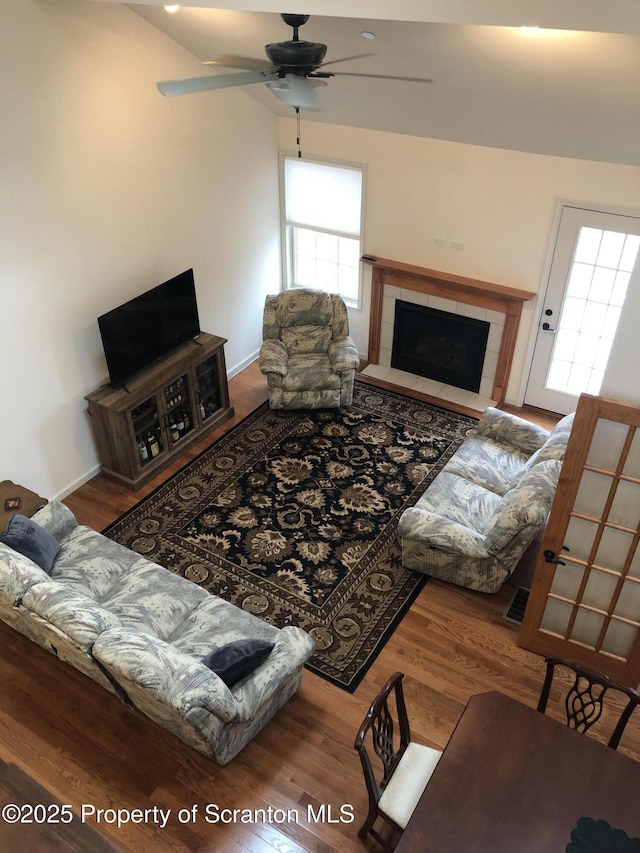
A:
{"points": [[148, 327]]}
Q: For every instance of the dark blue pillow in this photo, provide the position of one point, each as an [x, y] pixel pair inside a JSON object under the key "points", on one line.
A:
{"points": [[237, 659], [31, 540]]}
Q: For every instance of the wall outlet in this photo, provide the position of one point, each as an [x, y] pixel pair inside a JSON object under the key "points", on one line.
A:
{"points": [[456, 244]]}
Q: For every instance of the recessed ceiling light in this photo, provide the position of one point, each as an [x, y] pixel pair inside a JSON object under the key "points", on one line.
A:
{"points": [[367, 35], [172, 8]]}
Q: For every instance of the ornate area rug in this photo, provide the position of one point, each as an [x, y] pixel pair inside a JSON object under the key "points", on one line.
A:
{"points": [[292, 516]]}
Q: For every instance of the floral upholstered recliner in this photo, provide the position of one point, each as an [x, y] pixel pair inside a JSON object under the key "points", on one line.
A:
{"points": [[307, 355], [478, 516], [148, 635]]}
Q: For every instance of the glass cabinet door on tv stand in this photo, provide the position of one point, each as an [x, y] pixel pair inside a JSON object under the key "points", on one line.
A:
{"points": [[208, 386], [164, 410], [145, 419], [178, 416]]}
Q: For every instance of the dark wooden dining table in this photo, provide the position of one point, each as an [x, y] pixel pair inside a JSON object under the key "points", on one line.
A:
{"points": [[512, 779]]}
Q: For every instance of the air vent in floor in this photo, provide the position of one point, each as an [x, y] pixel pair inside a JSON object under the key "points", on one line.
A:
{"points": [[515, 611]]}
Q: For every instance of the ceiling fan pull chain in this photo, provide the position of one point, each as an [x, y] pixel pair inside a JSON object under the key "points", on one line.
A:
{"points": [[297, 109]]}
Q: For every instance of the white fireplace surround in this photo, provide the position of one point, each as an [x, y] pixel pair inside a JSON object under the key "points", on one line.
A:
{"points": [[450, 393]]}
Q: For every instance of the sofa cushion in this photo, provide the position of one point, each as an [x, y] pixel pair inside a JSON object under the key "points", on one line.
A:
{"points": [[216, 622], [461, 501], [71, 612], [153, 599], [32, 541], [91, 564], [488, 463], [238, 659], [140, 593]]}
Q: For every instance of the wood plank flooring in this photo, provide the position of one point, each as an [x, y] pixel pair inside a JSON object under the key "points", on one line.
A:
{"points": [[84, 747]]}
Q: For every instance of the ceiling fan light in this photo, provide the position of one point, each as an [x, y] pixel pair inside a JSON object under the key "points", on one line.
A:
{"points": [[297, 92]]}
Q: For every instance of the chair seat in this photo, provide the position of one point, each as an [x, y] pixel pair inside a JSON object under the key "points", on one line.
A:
{"points": [[308, 371], [409, 780]]}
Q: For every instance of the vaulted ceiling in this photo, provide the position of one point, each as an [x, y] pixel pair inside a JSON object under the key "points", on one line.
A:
{"points": [[570, 88]]}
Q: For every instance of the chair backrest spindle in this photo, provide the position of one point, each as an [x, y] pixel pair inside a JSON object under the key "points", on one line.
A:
{"points": [[584, 701]]}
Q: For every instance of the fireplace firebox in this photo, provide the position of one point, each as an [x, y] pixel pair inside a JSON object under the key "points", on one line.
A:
{"points": [[446, 347]]}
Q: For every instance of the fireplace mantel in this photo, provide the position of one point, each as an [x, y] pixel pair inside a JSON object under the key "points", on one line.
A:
{"points": [[485, 294]]}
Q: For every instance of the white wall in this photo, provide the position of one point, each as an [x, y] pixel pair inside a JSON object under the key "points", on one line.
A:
{"points": [[499, 204], [109, 189]]}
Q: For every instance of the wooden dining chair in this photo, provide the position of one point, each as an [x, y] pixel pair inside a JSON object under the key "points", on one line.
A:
{"points": [[584, 702], [396, 770]]}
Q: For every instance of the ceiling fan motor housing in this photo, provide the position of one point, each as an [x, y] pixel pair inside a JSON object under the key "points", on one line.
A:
{"points": [[296, 57]]}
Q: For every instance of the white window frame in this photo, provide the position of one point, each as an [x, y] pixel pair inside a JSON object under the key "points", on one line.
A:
{"points": [[287, 227]]}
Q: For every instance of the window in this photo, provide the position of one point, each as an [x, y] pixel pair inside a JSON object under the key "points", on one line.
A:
{"points": [[322, 216]]}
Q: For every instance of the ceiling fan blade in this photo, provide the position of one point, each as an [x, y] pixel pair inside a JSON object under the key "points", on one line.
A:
{"points": [[382, 77], [215, 81], [230, 60], [347, 58]]}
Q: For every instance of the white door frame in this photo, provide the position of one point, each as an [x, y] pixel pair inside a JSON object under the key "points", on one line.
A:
{"points": [[560, 204]]}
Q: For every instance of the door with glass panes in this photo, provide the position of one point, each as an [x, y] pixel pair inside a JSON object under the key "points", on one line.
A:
{"points": [[593, 257], [584, 603]]}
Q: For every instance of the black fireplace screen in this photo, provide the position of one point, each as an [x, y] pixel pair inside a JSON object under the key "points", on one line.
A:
{"points": [[439, 345]]}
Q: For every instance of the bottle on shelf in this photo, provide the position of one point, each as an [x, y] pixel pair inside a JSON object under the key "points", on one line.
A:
{"points": [[154, 444], [143, 450], [174, 429], [180, 422]]}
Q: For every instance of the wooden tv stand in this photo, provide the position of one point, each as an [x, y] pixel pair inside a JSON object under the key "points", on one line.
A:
{"points": [[141, 427]]}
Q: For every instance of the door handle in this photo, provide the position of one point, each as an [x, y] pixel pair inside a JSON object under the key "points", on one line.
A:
{"points": [[547, 327], [550, 557]]}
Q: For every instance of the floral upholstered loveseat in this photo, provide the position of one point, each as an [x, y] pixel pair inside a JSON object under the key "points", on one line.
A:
{"points": [[143, 633], [478, 516], [307, 355]]}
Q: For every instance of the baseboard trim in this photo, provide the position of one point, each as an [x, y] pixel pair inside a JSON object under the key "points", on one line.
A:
{"points": [[89, 475], [232, 371]]}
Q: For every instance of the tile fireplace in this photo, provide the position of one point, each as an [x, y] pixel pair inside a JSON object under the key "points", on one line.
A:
{"points": [[499, 306]]}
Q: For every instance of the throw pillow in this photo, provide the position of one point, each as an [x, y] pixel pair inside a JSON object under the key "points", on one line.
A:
{"points": [[237, 659], [32, 541]]}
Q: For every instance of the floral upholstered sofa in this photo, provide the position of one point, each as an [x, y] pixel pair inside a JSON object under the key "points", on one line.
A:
{"points": [[149, 635], [478, 516]]}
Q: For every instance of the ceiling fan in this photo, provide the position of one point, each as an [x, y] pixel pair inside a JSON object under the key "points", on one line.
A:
{"points": [[293, 72]]}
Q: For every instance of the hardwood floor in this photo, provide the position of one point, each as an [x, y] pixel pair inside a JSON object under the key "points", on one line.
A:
{"points": [[87, 749]]}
